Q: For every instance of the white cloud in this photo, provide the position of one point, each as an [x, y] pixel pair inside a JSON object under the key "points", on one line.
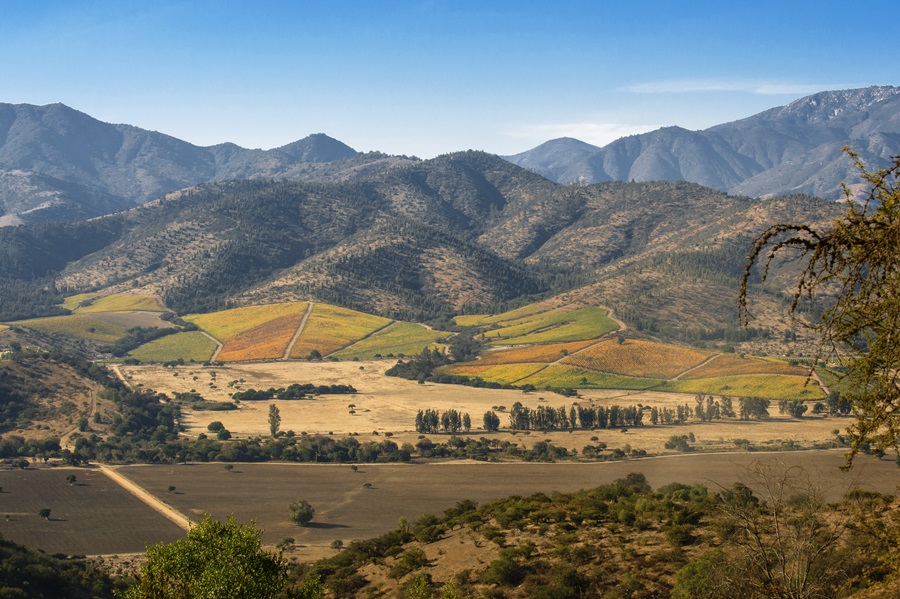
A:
{"points": [[681, 86], [598, 134]]}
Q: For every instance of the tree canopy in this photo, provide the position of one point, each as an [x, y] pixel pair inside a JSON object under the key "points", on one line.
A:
{"points": [[217, 560], [854, 266]]}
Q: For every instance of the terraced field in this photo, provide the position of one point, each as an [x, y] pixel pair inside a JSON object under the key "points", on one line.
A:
{"points": [[398, 339], [330, 328], [189, 346]]}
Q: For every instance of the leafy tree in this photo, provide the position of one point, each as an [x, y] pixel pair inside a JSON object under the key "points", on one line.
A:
{"points": [[854, 265], [217, 560], [274, 420], [491, 421], [301, 512], [44, 513]]}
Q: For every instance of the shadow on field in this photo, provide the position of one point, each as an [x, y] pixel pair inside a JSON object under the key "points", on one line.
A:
{"points": [[324, 525]]}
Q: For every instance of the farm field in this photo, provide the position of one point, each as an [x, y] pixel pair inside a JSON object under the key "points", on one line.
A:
{"points": [[544, 354], [330, 328], [389, 405], [347, 510], [638, 358], [398, 339], [191, 346], [80, 326], [484, 320], [93, 516], [229, 323], [553, 326]]}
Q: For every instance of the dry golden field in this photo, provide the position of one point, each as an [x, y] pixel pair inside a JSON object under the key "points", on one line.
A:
{"points": [[387, 404]]}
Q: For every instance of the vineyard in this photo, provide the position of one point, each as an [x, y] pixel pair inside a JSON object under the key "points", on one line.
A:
{"points": [[486, 320], [731, 364], [77, 325], [557, 325], [398, 339], [263, 342], [638, 358], [230, 323], [773, 386], [190, 346], [541, 354], [330, 328]]}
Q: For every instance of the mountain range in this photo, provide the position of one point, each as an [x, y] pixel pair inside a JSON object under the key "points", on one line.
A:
{"points": [[59, 164], [785, 150]]}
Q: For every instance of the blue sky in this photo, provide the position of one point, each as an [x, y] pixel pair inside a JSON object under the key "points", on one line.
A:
{"points": [[428, 77]]}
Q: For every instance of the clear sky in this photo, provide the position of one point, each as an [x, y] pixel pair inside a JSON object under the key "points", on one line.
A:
{"points": [[433, 76]]}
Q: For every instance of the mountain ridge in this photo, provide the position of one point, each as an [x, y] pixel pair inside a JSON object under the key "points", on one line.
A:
{"points": [[789, 149]]}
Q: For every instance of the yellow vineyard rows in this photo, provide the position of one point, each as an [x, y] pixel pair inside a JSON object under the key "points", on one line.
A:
{"points": [[535, 353], [731, 364], [399, 339], [638, 358], [330, 328], [192, 345], [558, 325], [264, 342], [229, 323]]}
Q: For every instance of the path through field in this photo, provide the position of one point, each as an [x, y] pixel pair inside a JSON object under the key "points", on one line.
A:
{"points": [[163, 508], [300, 328]]}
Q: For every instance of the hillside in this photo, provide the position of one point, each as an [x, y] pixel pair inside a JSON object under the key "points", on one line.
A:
{"points": [[58, 164], [791, 149], [459, 233]]}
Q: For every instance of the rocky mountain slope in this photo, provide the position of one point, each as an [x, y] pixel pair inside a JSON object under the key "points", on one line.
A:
{"points": [[786, 150], [60, 164]]}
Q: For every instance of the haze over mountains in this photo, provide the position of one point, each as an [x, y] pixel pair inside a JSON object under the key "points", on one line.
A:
{"points": [[785, 150], [60, 164]]}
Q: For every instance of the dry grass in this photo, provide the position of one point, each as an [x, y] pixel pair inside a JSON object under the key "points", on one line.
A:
{"points": [[387, 404], [331, 328], [638, 358]]}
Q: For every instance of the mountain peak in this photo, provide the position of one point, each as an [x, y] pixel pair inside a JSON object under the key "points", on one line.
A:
{"points": [[317, 147]]}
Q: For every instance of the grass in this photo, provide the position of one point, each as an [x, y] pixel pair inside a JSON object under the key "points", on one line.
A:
{"points": [[77, 325], [558, 325], [401, 338], [484, 320], [767, 386], [638, 358], [73, 301], [331, 328], [500, 373], [190, 346], [731, 364], [559, 375], [119, 303], [536, 353], [229, 323]]}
